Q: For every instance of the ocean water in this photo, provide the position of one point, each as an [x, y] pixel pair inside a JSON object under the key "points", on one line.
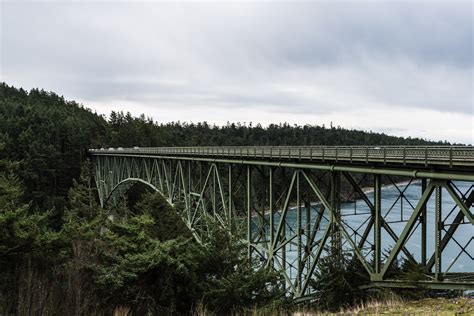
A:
{"points": [[458, 256]]}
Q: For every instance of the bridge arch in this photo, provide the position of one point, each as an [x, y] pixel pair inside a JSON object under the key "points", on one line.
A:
{"points": [[125, 185]]}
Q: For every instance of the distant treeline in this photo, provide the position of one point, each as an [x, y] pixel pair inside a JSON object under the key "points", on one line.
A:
{"points": [[127, 131]]}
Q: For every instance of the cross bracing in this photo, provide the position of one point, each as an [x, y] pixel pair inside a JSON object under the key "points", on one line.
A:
{"points": [[286, 201]]}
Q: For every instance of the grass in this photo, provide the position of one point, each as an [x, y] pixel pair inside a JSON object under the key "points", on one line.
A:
{"points": [[392, 306], [427, 306]]}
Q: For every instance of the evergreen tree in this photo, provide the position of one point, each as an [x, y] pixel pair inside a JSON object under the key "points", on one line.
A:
{"points": [[25, 240], [233, 282], [84, 220], [338, 277], [22, 232]]}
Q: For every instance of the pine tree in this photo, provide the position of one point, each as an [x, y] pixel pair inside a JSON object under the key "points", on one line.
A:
{"points": [[338, 277], [22, 232], [26, 243], [83, 222]]}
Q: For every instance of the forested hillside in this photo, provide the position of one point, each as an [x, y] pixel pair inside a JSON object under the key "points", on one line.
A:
{"points": [[49, 136], [60, 253]]}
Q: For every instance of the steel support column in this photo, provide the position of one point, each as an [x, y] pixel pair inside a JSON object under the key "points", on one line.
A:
{"points": [[438, 223], [423, 220], [249, 213], [378, 222]]}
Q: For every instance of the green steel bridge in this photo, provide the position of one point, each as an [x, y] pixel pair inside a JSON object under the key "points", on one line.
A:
{"points": [[286, 201]]}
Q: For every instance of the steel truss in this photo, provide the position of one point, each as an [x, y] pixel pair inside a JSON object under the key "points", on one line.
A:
{"points": [[286, 212]]}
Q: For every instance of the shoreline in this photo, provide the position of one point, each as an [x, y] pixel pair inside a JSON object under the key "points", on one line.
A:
{"points": [[388, 186], [365, 190]]}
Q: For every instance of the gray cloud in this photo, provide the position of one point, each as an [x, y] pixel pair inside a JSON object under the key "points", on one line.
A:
{"points": [[318, 58]]}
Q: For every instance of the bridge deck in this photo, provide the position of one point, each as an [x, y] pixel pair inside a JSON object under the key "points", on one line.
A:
{"points": [[426, 156]]}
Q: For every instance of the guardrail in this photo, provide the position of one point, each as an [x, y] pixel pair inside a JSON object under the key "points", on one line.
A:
{"points": [[426, 155]]}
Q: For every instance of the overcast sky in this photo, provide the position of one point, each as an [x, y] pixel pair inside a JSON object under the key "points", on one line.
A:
{"points": [[403, 68]]}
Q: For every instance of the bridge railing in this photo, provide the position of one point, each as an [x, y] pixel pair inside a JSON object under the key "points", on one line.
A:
{"points": [[444, 155]]}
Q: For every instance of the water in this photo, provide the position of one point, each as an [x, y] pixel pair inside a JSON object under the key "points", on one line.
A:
{"points": [[397, 211]]}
